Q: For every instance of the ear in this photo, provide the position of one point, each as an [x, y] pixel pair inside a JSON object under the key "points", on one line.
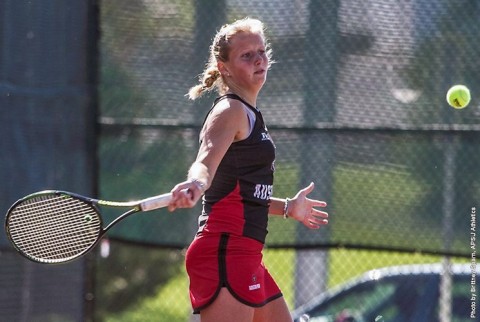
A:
{"points": [[222, 69]]}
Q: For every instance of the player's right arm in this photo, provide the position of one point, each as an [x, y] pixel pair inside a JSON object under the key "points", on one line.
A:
{"points": [[227, 123]]}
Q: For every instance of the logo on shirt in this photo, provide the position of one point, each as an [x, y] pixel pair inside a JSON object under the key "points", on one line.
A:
{"points": [[263, 191]]}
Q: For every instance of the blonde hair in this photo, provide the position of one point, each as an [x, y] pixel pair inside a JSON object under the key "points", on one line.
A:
{"points": [[219, 51]]}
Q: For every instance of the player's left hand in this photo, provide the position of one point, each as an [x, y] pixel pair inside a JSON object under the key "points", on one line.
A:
{"points": [[303, 209]]}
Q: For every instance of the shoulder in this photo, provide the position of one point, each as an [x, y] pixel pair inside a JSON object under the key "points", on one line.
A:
{"points": [[229, 109], [229, 106], [228, 116]]}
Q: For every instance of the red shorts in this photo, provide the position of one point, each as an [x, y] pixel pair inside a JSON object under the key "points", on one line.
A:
{"points": [[214, 261]]}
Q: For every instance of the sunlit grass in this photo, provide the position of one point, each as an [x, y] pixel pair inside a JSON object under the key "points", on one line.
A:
{"points": [[171, 303]]}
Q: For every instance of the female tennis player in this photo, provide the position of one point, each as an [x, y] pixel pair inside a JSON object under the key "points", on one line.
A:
{"points": [[234, 173]]}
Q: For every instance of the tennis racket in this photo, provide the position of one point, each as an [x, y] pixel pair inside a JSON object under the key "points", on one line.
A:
{"points": [[54, 226]]}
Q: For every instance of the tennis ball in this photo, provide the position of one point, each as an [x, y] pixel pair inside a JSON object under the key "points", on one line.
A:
{"points": [[458, 96]]}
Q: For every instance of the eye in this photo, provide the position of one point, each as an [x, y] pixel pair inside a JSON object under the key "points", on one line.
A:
{"points": [[247, 55]]}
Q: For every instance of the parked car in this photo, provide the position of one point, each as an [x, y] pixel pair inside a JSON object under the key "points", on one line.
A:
{"points": [[409, 293]]}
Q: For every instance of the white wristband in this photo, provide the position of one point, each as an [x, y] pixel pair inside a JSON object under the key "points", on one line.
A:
{"points": [[200, 185], [285, 208]]}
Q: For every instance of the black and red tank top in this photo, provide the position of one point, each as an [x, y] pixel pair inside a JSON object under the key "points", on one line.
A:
{"points": [[238, 198]]}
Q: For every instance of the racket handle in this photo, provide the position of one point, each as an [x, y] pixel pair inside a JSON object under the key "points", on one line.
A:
{"points": [[156, 202]]}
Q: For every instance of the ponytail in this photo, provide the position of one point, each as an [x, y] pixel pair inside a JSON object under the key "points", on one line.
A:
{"points": [[207, 81]]}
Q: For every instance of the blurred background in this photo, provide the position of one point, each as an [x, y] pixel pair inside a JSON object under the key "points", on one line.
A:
{"points": [[92, 98]]}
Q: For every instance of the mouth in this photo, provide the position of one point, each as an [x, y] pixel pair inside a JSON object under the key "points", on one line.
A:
{"points": [[260, 72]]}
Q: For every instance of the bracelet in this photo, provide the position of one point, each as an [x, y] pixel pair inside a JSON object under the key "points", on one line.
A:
{"points": [[285, 208], [200, 185]]}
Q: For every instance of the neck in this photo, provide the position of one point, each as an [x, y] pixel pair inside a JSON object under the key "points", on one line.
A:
{"points": [[249, 97]]}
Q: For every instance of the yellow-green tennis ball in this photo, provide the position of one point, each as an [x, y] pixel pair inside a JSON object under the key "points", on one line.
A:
{"points": [[458, 96]]}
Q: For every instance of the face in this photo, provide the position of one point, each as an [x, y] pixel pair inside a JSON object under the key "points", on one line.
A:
{"points": [[247, 63]]}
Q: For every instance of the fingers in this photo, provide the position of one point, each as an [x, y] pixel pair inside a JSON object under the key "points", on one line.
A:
{"points": [[316, 219], [319, 214], [303, 209], [180, 199], [307, 189], [184, 195], [318, 203]]}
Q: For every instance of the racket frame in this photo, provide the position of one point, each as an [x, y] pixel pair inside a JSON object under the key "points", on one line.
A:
{"points": [[144, 205]]}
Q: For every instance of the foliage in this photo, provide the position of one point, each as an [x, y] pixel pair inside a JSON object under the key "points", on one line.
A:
{"points": [[131, 274]]}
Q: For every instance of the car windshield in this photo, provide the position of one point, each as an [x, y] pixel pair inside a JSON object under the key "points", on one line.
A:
{"points": [[400, 298]]}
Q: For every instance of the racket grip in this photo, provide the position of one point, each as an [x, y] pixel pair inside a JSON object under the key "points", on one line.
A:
{"points": [[156, 202]]}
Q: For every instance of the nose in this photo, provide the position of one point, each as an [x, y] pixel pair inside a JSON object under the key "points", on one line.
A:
{"points": [[259, 59]]}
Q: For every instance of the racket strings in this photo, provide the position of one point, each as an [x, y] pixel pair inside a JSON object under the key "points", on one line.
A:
{"points": [[54, 228]]}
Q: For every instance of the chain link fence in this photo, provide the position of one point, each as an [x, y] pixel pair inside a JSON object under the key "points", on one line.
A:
{"points": [[355, 102]]}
